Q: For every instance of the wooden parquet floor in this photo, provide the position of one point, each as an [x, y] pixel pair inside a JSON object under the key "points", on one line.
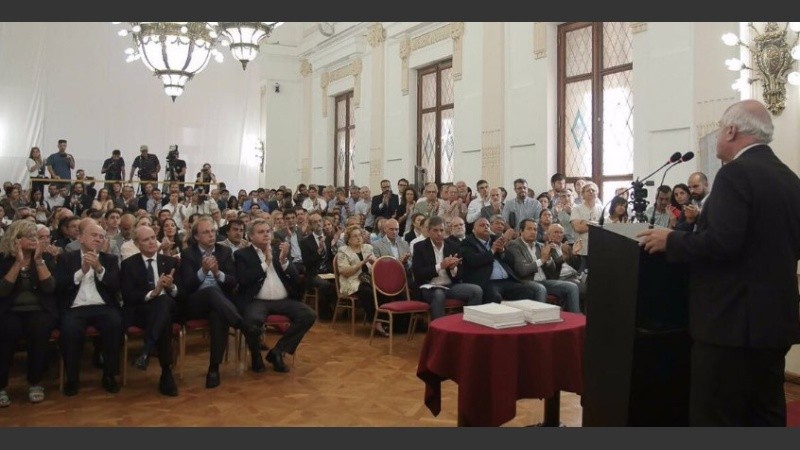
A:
{"points": [[338, 380]]}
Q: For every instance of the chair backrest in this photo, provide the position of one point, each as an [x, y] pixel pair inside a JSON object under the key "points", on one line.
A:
{"points": [[389, 277], [336, 275]]}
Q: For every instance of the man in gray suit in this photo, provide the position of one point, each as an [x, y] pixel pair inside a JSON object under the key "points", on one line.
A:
{"points": [[391, 244], [528, 259]]}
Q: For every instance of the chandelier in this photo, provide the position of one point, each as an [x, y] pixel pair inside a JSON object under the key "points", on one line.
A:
{"points": [[177, 51], [773, 56]]}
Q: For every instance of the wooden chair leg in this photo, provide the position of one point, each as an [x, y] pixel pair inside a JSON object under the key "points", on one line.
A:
{"points": [[391, 331], [181, 352], [352, 318]]}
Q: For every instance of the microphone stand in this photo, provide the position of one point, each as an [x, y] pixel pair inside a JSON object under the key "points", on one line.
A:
{"points": [[686, 157]]}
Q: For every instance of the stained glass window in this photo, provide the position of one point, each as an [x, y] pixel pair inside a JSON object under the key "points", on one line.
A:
{"points": [[344, 168], [436, 122]]}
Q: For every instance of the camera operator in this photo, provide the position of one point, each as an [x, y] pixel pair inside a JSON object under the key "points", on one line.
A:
{"points": [[176, 167], [205, 176], [113, 168], [148, 166]]}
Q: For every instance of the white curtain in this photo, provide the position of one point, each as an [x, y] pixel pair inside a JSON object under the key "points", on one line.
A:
{"points": [[70, 81]]}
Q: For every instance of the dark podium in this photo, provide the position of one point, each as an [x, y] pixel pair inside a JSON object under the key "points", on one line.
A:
{"points": [[636, 361]]}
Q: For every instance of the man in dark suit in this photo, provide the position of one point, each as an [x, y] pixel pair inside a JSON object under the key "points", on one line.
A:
{"points": [[268, 285], [435, 267], [743, 296], [385, 204], [148, 295], [317, 257], [87, 281], [209, 277], [487, 265]]}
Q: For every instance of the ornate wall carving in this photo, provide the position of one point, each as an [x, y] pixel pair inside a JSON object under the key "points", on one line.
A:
{"points": [[453, 30], [376, 35], [638, 27], [305, 68], [353, 69], [492, 157]]}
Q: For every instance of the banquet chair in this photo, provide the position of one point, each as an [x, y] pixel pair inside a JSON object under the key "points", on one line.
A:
{"points": [[389, 279], [136, 332], [344, 302], [193, 325]]}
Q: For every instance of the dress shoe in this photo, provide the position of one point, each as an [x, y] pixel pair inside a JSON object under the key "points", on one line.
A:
{"points": [[142, 361], [167, 386], [276, 358], [212, 379], [70, 388], [110, 385], [258, 365]]}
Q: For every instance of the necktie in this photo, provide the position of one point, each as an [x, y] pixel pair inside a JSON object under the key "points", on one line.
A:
{"points": [[321, 245], [151, 280]]}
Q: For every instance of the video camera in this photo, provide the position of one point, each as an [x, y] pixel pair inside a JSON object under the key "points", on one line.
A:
{"points": [[640, 199], [172, 156]]}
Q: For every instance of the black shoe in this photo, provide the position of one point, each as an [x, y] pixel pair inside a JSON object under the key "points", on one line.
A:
{"points": [[258, 365], [70, 388], [167, 386], [97, 359], [142, 361], [212, 379], [110, 384], [276, 358]]}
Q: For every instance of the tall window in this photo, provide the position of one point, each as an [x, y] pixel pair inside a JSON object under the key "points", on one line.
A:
{"points": [[595, 103], [344, 169], [435, 145]]}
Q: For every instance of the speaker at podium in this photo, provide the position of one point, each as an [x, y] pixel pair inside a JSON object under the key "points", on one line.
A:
{"points": [[636, 356]]}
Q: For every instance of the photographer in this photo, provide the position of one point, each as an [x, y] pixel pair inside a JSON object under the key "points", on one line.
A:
{"points": [[113, 168], [205, 176], [176, 167], [148, 165]]}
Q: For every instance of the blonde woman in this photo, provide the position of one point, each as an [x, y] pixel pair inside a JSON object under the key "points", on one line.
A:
{"points": [[354, 261], [28, 308]]}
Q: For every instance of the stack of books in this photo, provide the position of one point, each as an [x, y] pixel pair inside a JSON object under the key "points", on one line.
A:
{"points": [[495, 315], [536, 312]]}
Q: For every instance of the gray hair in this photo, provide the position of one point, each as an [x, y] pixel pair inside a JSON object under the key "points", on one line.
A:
{"points": [[749, 120]]}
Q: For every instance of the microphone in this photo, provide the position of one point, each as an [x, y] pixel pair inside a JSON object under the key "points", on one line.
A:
{"points": [[686, 157], [676, 157]]}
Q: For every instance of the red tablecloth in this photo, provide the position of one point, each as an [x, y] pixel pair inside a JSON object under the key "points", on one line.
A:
{"points": [[495, 368]]}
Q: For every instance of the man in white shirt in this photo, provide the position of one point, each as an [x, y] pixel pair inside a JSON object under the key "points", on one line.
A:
{"points": [[88, 281], [436, 270], [268, 284], [478, 203], [314, 203]]}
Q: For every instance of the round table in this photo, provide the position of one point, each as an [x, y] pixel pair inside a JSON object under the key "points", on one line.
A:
{"points": [[494, 368]]}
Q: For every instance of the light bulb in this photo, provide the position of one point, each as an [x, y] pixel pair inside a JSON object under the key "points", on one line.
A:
{"points": [[794, 79], [730, 39], [794, 26], [734, 64], [796, 52]]}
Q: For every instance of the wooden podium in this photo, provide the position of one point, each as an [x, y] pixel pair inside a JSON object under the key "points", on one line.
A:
{"points": [[636, 360]]}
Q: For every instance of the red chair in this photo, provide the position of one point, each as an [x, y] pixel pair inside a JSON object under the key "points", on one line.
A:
{"points": [[189, 326], [453, 305], [55, 336], [389, 279], [136, 332], [277, 322]]}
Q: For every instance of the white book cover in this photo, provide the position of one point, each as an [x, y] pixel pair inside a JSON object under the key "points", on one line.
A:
{"points": [[496, 325], [536, 312]]}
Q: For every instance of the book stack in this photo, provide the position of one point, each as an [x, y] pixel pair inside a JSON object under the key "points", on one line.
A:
{"points": [[536, 312], [495, 315]]}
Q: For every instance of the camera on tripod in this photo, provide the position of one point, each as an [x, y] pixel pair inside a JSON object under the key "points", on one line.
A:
{"points": [[172, 156], [640, 199]]}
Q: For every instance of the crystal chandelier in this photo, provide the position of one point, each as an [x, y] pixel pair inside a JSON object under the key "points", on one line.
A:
{"points": [[773, 55], [177, 51]]}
